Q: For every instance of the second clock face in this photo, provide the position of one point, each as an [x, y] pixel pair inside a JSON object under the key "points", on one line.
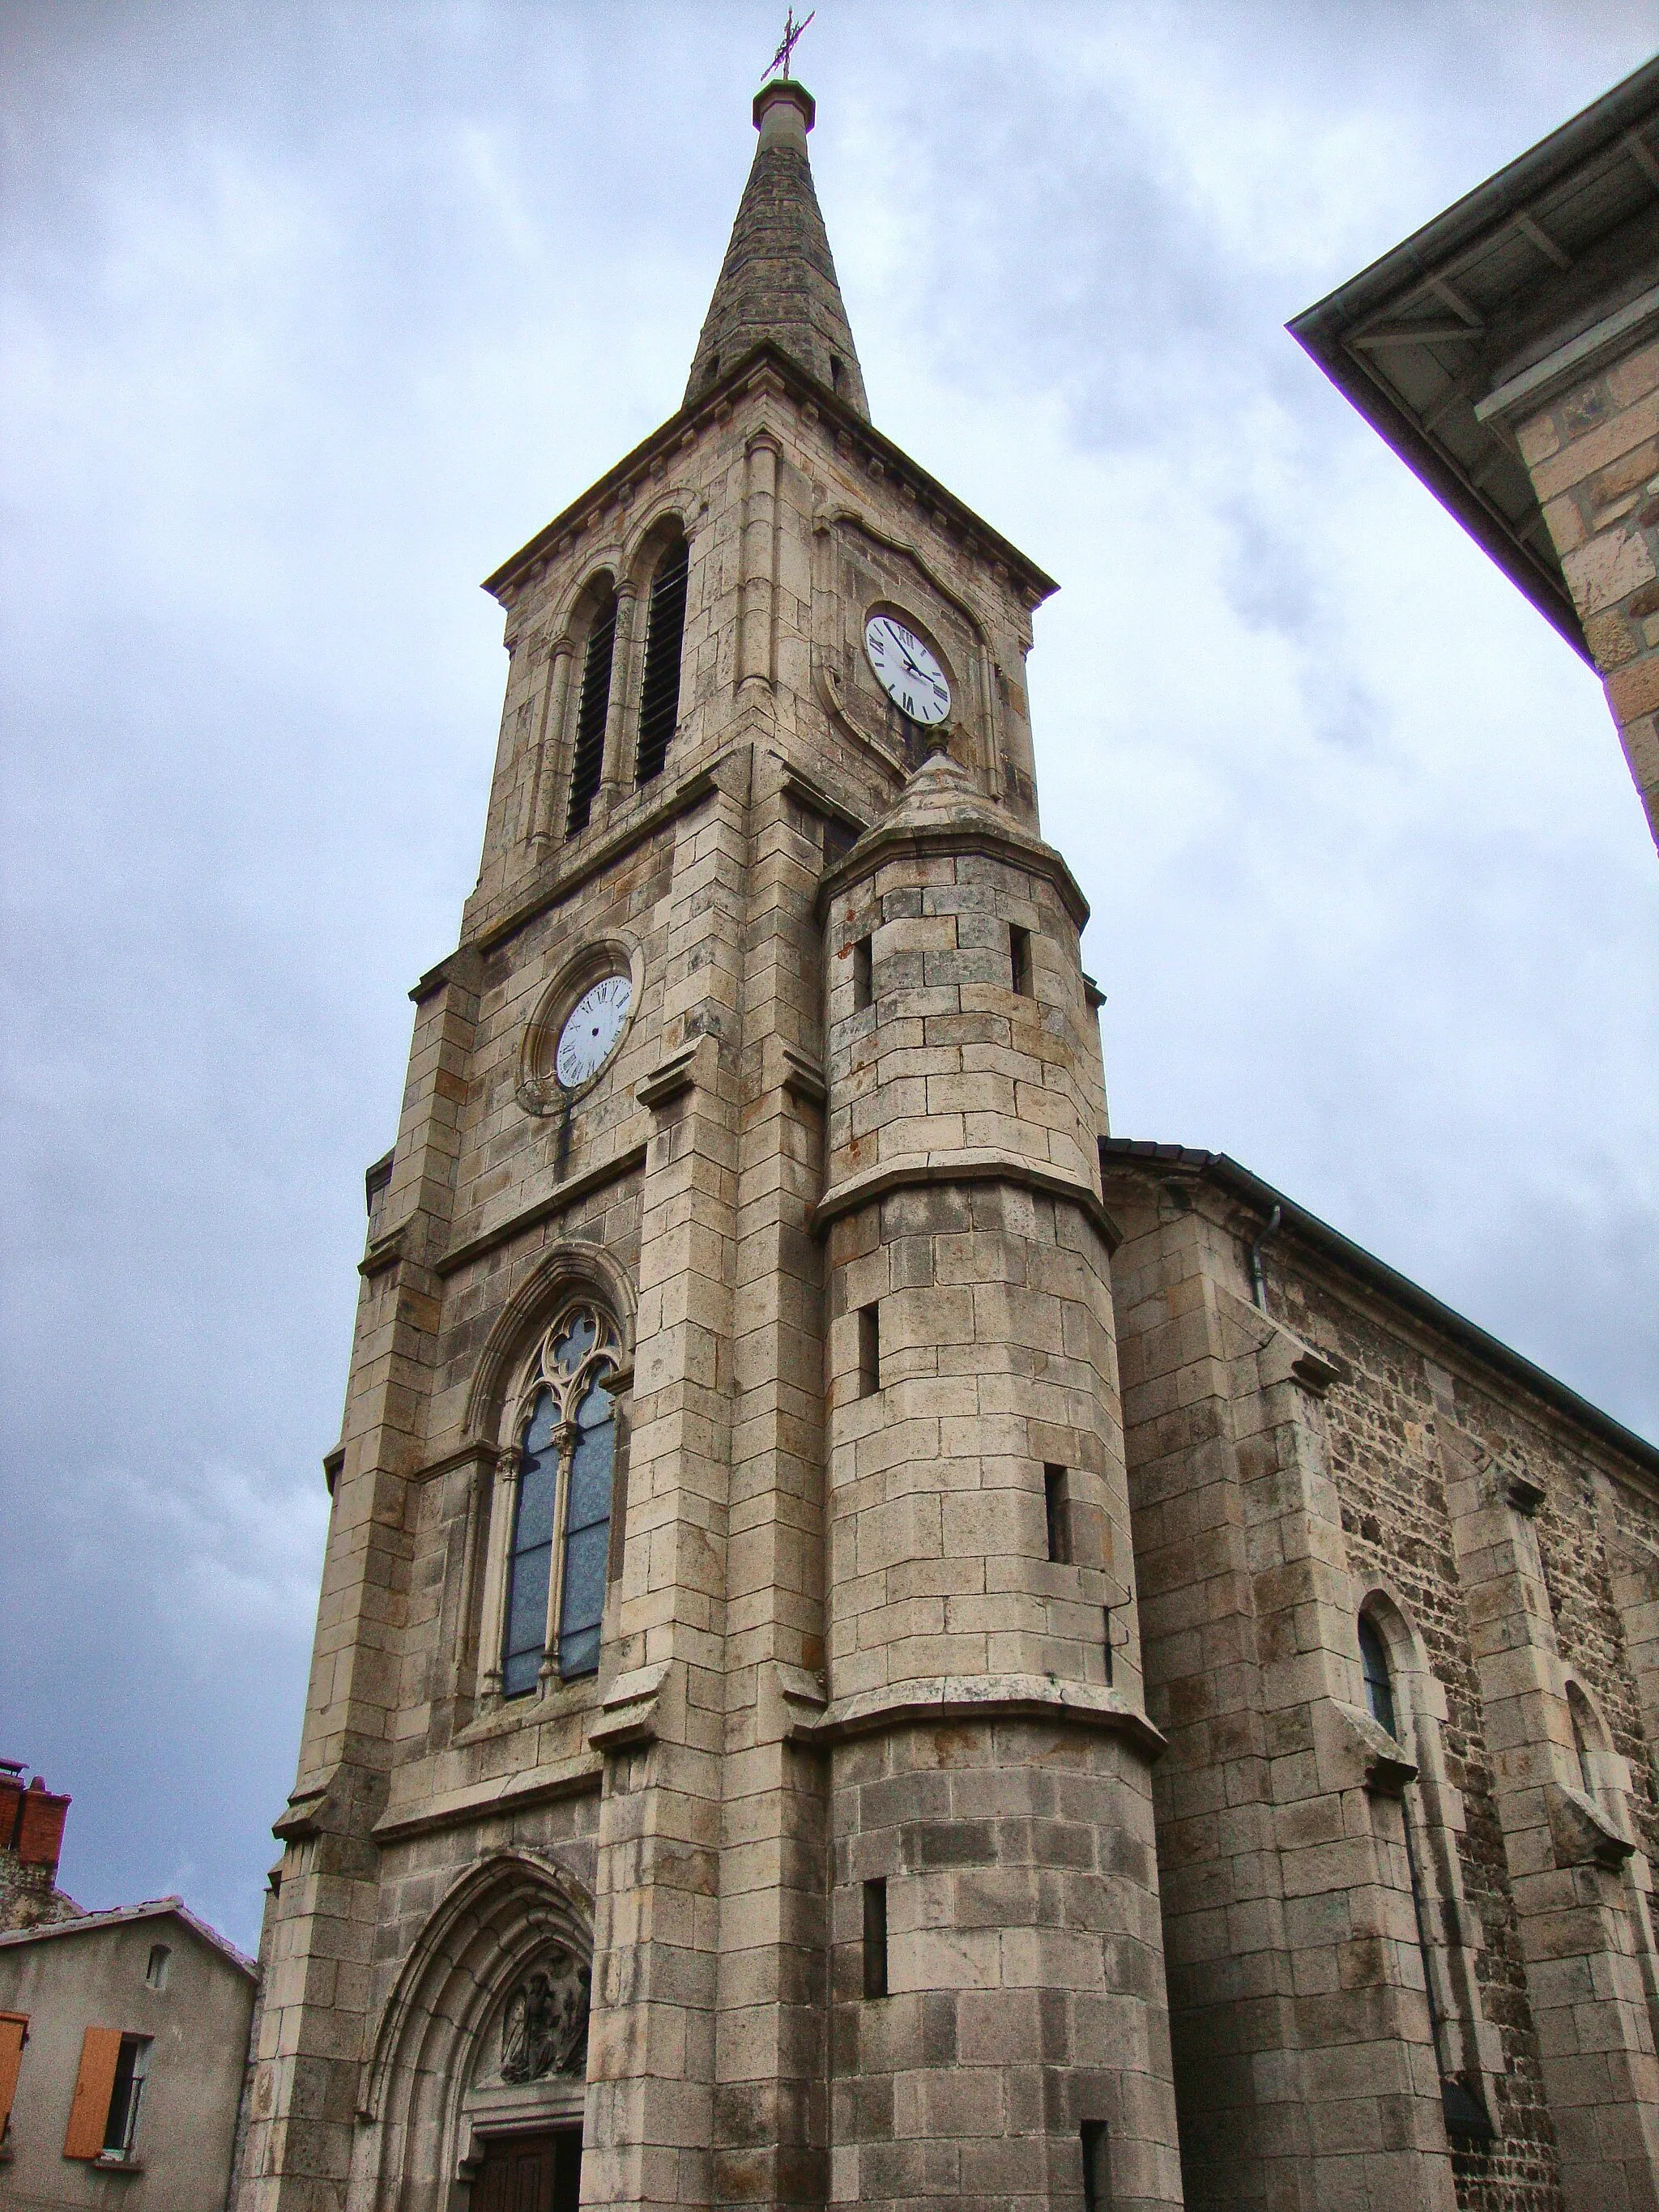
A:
{"points": [[907, 670], [592, 1031]]}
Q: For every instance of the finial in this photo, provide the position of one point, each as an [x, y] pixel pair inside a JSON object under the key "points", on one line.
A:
{"points": [[792, 31]]}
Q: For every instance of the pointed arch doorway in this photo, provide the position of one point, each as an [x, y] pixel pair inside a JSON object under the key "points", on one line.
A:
{"points": [[477, 2089]]}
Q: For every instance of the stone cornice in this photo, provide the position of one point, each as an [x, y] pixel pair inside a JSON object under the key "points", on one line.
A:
{"points": [[579, 1776], [1032, 583], [914, 839], [958, 1697], [983, 1164]]}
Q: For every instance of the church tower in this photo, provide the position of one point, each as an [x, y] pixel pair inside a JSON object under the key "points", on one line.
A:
{"points": [[726, 1778]]}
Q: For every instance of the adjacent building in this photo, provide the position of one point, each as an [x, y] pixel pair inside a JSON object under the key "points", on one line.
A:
{"points": [[881, 1644], [123, 2046], [1509, 352]]}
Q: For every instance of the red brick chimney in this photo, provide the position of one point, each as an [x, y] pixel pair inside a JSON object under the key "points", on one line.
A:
{"points": [[39, 1835], [31, 1839]]}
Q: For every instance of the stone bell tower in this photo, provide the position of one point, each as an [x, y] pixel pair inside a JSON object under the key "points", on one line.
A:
{"points": [[725, 1775]]}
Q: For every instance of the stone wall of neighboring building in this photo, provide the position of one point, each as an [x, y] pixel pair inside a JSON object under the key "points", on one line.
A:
{"points": [[1593, 455]]}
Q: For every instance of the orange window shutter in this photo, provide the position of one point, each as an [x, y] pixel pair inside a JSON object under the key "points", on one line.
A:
{"points": [[12, 2026], [100, 2050]]}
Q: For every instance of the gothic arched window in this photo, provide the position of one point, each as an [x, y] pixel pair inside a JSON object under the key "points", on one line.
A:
{"points": [[1379, 1679], [587, 754], [559, 1537], [659, 690]]}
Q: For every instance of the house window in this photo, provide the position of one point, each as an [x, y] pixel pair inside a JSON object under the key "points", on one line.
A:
{"points": [[555, 1580], [126, 2096], [588, 755], [109, 2087], [14, 2035], [1379, 1681], [665, 635], [155, 1966]]}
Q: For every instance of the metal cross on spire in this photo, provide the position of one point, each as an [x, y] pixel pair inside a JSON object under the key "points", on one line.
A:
{"points": [[792, 31]]}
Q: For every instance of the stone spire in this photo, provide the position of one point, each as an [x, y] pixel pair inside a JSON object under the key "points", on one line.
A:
{"points": [[778, 281]]}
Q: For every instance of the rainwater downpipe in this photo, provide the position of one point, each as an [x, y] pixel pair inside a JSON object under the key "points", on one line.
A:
{"points": [[1258, 1280]]}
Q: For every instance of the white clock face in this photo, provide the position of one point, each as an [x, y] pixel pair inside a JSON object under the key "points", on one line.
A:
{"points": [[592, 1029], [906, 670]]}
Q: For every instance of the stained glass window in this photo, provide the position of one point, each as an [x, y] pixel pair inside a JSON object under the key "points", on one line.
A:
{"points": [[558, 1553], [587, 1533], [530, 1565]]}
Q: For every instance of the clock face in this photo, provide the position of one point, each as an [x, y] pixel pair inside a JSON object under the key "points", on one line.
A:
{"points": [[591, 1030], [906, 670]]}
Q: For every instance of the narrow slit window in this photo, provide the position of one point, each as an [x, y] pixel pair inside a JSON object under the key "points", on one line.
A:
{"points": [[864, 973], [836, 371], [1106, 1628], [1019, 960], [1096, 2174], [155, 1967], [665, 636], [875, 1938], [588, 756], [869, 1350], [1057, 1505]]}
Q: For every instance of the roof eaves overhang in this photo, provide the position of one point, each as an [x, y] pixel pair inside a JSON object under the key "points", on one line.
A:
{"points": [[1387, 1284], [636, 467], [1357, 336]]}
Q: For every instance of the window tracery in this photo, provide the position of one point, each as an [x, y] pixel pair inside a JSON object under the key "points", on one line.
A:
{"points": [[558, 1478]]}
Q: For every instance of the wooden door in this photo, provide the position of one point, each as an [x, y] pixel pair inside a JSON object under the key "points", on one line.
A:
{"points": [[530, 2173]]}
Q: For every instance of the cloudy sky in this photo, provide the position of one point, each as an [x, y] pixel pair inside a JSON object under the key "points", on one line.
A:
{"points": [[309, 314]]}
